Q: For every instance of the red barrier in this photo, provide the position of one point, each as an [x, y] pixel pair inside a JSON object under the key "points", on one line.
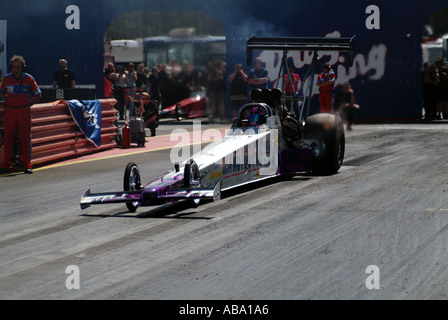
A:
{"points": [[55, 134]]}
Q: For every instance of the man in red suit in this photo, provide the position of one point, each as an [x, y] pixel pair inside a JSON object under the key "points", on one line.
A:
{"points": [[325, 82], [20, 91]]}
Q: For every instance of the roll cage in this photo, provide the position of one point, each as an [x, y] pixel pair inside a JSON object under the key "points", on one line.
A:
{"points": [[253, 114]]}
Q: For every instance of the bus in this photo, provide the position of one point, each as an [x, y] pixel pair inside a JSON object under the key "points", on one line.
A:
{"points": [[197, 50], [125, 52], [434, 49]]}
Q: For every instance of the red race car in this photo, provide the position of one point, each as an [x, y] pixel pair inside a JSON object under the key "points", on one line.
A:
{"points": [[193, 107]]}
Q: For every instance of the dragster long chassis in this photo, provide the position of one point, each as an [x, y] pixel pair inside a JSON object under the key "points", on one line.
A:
{"points": [[223, 164]]}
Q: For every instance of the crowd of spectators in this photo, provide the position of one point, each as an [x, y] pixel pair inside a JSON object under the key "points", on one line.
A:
{"points": [[168, 83]]}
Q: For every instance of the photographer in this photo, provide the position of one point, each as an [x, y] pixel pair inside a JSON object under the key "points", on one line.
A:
{"points": [[238, 89]]}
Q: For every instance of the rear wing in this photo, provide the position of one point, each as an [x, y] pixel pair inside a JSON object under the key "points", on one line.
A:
{"points": [[301, 44], [287, 44]]}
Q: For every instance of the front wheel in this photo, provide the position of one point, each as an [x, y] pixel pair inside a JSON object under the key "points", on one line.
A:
{"points": [[192, 179], [132, 182], [325, 133]]}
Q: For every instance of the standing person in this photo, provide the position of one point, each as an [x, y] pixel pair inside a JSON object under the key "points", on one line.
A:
{"points": [[430, 81], [130, 89], [238, 89], [215, 91], [165, 86], [186, 81], [1, 79], [110, 76], [64, 77], [258, 76], [429, 88], [325, 82], [295, 78], [153, 85], [132, 76], [442, 91], [142, 80], [120, 87], [20, 91], [344, 104]]}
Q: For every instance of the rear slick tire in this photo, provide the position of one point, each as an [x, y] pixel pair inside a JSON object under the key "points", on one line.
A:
{"points": [[326, 134]]}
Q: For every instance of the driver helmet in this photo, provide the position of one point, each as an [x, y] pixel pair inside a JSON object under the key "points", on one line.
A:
{"points": [[255, 116]]}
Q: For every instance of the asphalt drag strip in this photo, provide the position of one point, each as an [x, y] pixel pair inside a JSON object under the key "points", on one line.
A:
{"points": [[377, 229]]}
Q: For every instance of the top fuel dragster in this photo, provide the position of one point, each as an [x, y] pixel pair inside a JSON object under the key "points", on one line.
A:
{"points": [[264, 141]]}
